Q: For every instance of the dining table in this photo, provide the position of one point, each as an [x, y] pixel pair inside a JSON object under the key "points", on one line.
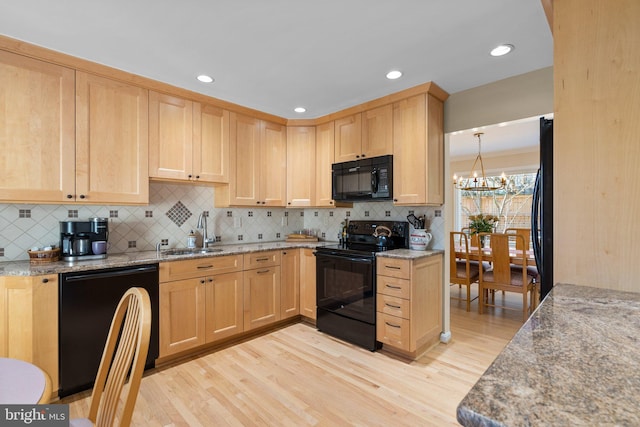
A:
{"points": [[515, 255], [22, 382]]}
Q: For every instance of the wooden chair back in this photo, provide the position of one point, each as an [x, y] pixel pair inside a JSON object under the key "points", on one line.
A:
{"points": [[509, 272], [526, 236], [125, 351], [462, 271], [473, 237]]}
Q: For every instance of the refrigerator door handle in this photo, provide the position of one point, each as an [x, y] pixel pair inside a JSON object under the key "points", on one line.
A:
{"points": [[535, 227]]}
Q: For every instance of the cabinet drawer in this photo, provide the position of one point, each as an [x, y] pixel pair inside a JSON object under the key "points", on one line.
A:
{"points": [[392, 286], [393, 331], [187, 269], [261, 259], [394, 267], [394, 306]]}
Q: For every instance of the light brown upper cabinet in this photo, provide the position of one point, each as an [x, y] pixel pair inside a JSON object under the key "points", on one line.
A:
{"points": [[68, 142], [418, 151], [38, 130], [324, 159], [257, 163], [301, 166], [362, 135], [111, 141], [188, 140], [377, 131]]}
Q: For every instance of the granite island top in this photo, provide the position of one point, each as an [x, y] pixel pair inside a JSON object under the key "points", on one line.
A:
{"points": [[25, 268], [576, 361]]}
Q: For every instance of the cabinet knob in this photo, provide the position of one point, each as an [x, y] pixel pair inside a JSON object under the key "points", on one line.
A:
{"points": [[69, 196], [210, 280], [258, 202], [331, 202], [363, 155], [284, 252], [45, 280], [189, 176], [288, 203], [264, 203], [357, 157], [197, 176], [395, 200], [82, 196], [201, 280]]}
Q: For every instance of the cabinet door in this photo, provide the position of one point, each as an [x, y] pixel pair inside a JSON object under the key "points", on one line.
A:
{"points": [[410, 151], [435, 150], [348, 138], [308, 283], [210, 143], [325, 147], [29, 319], [290, 283], [170, 137], [301, 166], [261, 297], [273, 165], [377, 131], [37, 130], [244, 142], [182, 315], [223, 306], [111, 141]]}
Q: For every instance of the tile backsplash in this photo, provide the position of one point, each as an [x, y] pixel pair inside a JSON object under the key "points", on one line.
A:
{"points": [[173, 211]]}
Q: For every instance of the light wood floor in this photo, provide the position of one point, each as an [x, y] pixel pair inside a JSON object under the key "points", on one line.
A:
{"points": [[297, 376]]}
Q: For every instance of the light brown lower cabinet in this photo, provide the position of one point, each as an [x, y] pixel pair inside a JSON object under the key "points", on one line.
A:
{"points": [[289, 283], [200, 302], [409, 304], [261, 297], [308, 283], [29, 321]]}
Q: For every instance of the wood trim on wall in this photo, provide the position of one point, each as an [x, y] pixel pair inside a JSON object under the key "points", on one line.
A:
{"points": [[62, 59]]}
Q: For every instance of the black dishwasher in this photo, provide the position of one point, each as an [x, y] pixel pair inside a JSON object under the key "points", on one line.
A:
{"points": [[87, 302]]}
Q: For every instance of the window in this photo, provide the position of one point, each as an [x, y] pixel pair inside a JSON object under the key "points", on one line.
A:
{"points": [[512, 205]]}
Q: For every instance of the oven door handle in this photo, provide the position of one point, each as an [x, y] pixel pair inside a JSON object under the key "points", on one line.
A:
{"points": [[367, 260]]}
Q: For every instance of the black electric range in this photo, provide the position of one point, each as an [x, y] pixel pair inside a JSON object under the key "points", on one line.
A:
{"points": [[346, 280]]}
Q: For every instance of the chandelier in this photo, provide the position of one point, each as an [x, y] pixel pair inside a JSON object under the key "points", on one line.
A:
{"points": [[476, 183]]}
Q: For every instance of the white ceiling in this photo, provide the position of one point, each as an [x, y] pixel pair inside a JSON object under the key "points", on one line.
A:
{"points": [[278, 54], [514, 136]]}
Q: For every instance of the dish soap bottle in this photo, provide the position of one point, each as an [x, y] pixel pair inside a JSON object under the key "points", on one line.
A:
{"points": [[191, 240]]}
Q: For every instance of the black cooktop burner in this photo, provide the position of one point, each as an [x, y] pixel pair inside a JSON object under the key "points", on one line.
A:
{"points": [[360, 240]]}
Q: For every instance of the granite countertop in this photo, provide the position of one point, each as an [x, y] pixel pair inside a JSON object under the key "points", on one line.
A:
{"points": [[576, 361], [25, 268], [409, 254]]}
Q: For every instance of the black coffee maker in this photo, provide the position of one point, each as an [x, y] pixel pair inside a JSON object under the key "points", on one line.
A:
{"points": [[81, 240]]}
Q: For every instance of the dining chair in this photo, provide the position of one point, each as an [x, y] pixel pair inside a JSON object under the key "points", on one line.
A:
{"points": [[462, 271], [524, 245], [508, 273], [473, 237], [125, 352]]}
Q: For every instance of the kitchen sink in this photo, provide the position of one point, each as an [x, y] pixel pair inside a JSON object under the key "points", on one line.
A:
{"points": [[190, 251]]}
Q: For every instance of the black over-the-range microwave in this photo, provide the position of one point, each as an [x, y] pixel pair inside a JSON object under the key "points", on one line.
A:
{"points": [[361, 180]]}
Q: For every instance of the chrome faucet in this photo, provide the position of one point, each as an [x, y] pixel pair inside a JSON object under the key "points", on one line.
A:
{"points": [[202, 225]]}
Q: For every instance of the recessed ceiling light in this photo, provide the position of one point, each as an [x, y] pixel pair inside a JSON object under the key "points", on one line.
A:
{"points": [[395, 74], [502, 49], [299, 109], [205, 79]]}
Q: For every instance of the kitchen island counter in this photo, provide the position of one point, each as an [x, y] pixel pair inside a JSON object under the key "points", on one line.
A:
{"points": [[574, 362]]}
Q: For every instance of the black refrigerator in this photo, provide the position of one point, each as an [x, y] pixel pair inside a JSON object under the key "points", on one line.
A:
{"points": [[542, 209]]}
